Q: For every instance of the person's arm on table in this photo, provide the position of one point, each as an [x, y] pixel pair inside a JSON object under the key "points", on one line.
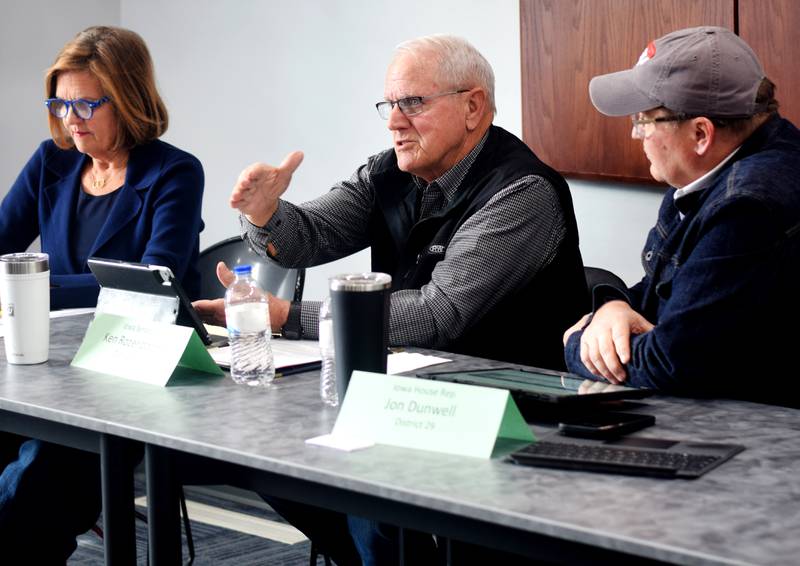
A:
{"points": [[700, 328], [602, 340], [600, 295]]}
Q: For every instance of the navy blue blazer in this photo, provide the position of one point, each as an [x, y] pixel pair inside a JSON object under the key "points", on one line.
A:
{"points": [[155, 218]]}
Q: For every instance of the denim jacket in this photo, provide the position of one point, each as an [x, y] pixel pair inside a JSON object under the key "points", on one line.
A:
{"points": [[721, 284]]}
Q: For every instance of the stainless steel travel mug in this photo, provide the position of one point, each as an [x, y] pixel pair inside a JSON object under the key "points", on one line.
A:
{"points": [[360, 324]]}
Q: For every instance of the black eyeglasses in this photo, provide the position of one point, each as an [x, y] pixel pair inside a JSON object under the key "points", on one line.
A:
{"points": [[83, 108], [640, 123], [410, 105]]}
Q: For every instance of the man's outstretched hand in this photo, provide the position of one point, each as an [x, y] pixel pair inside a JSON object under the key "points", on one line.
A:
{"points": [[259, 187], [212, 311]]}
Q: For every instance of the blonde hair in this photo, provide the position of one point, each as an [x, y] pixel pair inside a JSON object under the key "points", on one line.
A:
{"points": [[460, 64], [120, 60]]}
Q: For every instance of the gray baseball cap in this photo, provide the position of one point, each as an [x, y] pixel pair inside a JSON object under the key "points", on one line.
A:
{"points": [[702, 71]]}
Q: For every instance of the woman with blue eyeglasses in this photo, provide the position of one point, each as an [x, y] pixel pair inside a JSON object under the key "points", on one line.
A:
{"points": [[104, 186]]}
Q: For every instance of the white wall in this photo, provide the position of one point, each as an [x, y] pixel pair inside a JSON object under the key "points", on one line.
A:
{"points": [[613, 221], [253, 80]]}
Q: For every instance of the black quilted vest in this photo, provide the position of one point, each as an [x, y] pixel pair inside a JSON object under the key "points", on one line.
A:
{"points": [[524, 327]]}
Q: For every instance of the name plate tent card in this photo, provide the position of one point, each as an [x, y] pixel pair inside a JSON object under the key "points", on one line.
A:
{"points": [[147, 351], [418, 413]]}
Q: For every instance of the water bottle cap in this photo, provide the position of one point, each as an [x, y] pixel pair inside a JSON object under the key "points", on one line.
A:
{"points": [[243, 269]]}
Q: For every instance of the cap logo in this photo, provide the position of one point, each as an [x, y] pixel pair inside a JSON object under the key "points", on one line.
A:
{"points": [[648, 53]]}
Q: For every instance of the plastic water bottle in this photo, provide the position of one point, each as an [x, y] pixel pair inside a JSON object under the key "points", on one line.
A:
{"points": [[249, 333], [327, 374]]}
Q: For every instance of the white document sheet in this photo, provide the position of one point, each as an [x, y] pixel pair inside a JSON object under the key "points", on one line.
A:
{"points": [[287, 353], [408, 361]]}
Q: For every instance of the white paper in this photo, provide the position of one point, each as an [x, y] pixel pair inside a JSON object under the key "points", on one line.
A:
{"points": [[348, 444], [216, 330], [287, 353], [70, 312], [408, 361]]}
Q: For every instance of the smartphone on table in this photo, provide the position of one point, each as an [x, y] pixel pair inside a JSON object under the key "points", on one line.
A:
{"points": [[605, 424]]}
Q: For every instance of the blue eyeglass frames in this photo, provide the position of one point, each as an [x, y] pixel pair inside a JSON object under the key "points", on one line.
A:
{"points": [[82, 107]]}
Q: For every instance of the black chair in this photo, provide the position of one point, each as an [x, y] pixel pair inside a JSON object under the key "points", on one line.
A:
{"points": [[282, 282], [599, 276]]}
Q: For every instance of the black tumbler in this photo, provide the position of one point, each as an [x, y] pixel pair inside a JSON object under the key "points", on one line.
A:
{"points": [[360, 304]]}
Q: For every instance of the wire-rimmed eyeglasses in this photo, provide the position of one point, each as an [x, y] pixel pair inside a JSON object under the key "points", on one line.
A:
{"points": [[410, 105], [639, 124], [83, 107]]}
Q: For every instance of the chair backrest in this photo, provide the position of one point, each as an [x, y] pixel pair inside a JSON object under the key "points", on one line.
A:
{"points": [[598, 275], [280, 281]]}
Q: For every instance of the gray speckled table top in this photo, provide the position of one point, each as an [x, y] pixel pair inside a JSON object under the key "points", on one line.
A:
{"points": [[747, 511]]}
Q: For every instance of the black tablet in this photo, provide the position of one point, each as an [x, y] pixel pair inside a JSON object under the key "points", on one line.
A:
{"points": [[542, 385], [152, 280]]}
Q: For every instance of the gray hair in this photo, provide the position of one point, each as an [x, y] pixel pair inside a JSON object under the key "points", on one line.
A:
{"points": [[460, 64]]}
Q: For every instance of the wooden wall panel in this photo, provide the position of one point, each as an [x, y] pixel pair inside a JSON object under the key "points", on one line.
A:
{"points": [[772, 28], [564, 44]]}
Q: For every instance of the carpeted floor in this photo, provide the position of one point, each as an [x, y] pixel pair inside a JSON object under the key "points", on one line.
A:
{"points": [[239, 513]]}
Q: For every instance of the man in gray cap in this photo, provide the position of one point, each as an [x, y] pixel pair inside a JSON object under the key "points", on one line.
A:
{"points": [[715, 313]]}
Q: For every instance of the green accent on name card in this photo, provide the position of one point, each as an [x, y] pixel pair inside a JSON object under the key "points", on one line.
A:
{"points": [[430, 415], [140, 350]]}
